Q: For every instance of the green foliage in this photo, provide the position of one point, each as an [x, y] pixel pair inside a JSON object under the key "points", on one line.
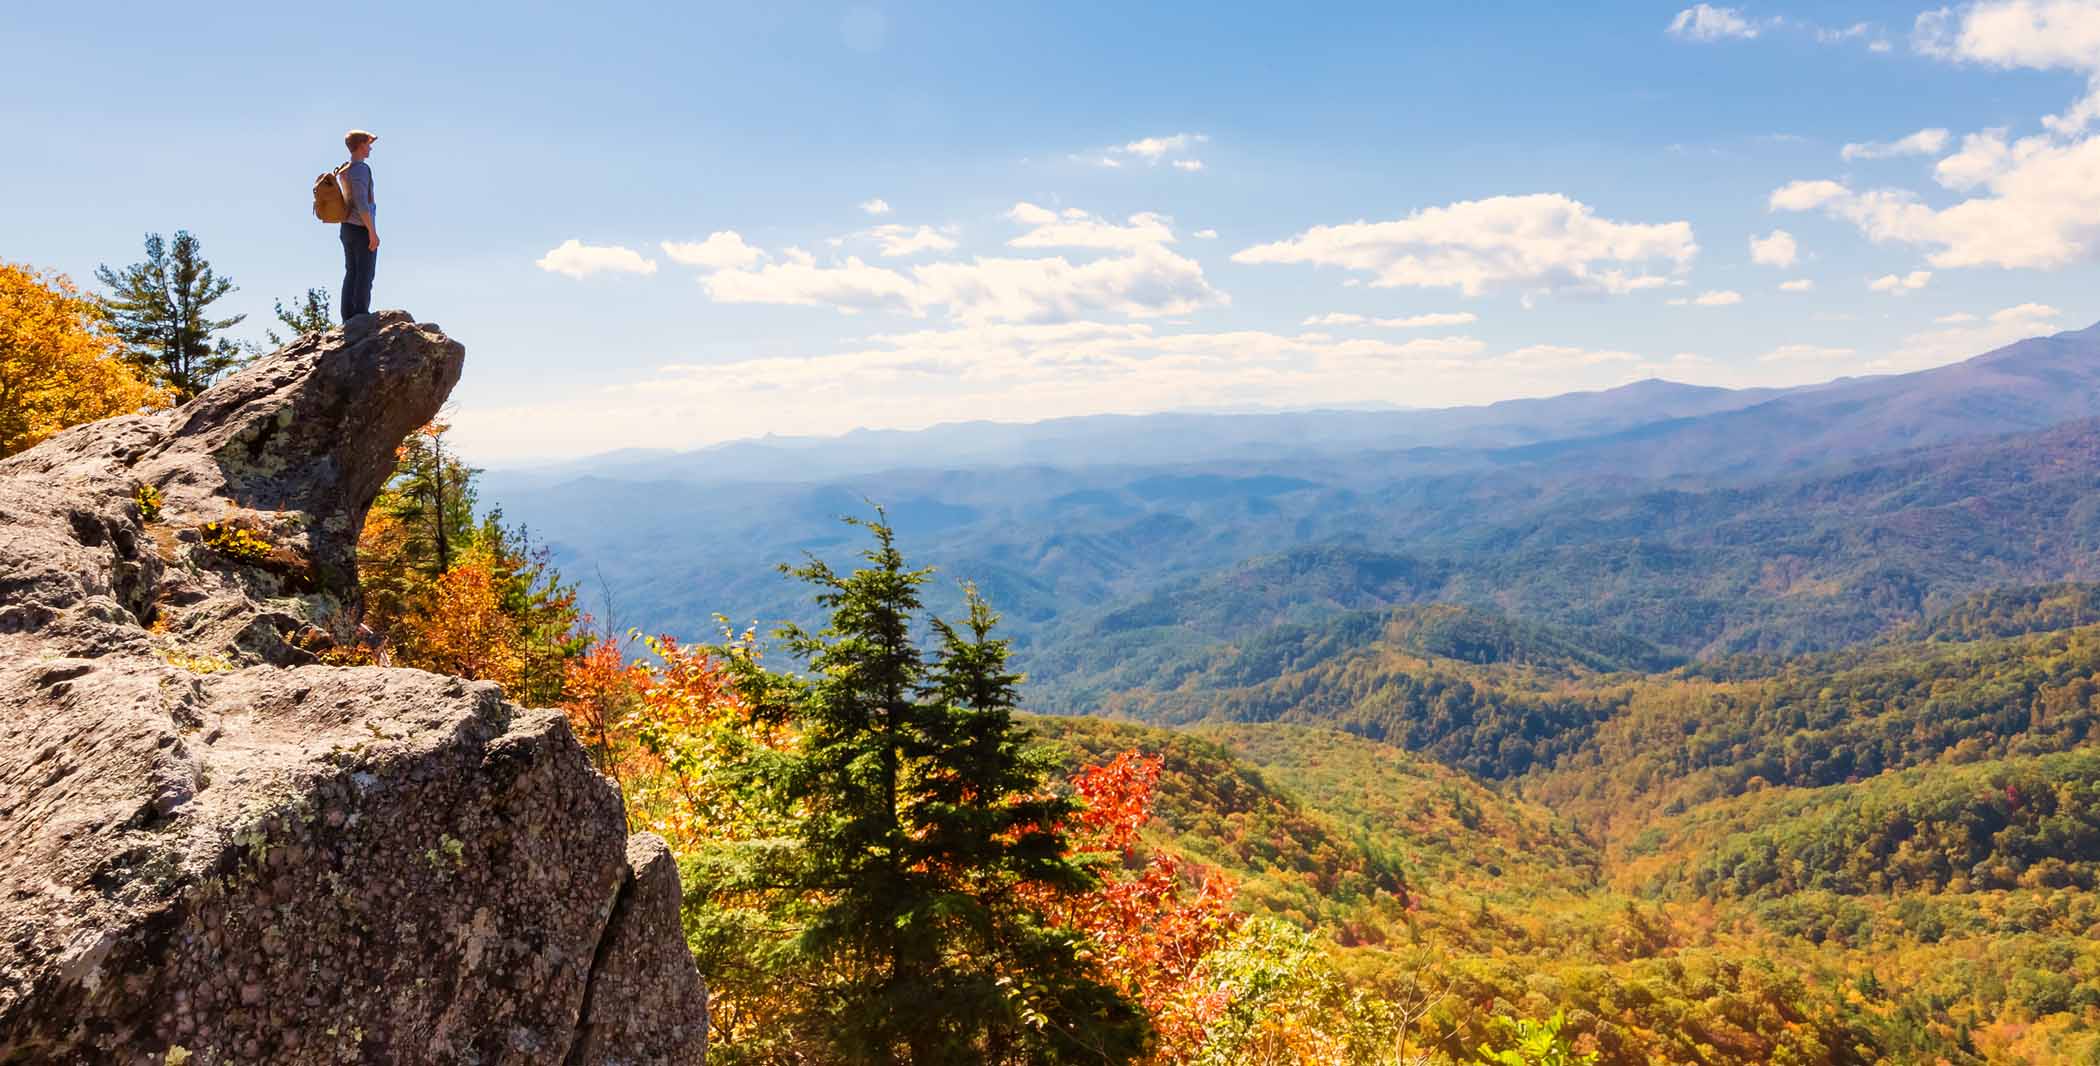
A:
{"points": [[160, 310], [431, 493], [920, 816], [149, 502], [309, 315], [2004, 824], [1534, 1043]]}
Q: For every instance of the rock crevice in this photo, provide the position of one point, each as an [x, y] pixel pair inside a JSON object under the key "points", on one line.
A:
{"points": [[214, 849]]}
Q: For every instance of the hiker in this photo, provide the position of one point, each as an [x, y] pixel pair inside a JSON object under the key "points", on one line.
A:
{"points": [[360, 231]]}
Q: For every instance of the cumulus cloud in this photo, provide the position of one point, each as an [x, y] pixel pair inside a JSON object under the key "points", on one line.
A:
{"points": [[1923, 142], [722, 250], [1207, 234], [1149, 282], [1540, 242], [1710, 298], [1079, 229], [1797, 285], [1901, 283], [2035, 200], [900, 240], [580, 260], [876, 206], [1344, 318], [1774, 249], [1705, 22], [1805, 195], [2041, 208]]}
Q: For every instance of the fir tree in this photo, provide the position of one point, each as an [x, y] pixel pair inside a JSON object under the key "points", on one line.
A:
{"points": [[923, 814], [159, 310]]}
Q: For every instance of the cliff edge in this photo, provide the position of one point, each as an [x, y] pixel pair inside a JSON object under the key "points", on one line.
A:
{"points": [[214, 849]]}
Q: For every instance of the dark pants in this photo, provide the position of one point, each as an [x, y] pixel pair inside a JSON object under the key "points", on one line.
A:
{"points": [[359, 260]]}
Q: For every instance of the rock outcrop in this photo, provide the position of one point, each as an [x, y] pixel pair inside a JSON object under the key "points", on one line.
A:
{"points": [[213, 848]]}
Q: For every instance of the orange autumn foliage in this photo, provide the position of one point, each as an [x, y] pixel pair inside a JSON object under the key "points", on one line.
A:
{"points": [[58, 367], [663, 731], [464, 630], [1150, 931]]}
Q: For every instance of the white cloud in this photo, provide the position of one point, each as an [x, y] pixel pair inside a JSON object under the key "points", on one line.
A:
{"points": [[723, 249], [1797, 285], [1833, 35], [2037, 34], [1029, 372], [1028, 214], [1967, 336], [1805, 195], [2041, 211], [1153, 149], [580, 260], [876, 206], [1174, 149], [1150, 281], [899, 240], [2035, 200], [1923, 142], [1710, 298], [1344, 318], [1078, 229], [1900, 284], [1705, 22], [1774, 249], [1542, 241], [2027, 315], [1206, 234], [1799, 353]]}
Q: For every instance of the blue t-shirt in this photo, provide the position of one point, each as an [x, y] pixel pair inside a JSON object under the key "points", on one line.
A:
{"points": [[357, 188]]}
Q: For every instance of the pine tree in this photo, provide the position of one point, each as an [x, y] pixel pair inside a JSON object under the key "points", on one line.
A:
{"points": [[432, 495], [159, 311], [923, 814], [309, 315]]}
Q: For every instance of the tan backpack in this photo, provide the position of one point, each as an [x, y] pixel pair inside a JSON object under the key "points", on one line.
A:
{"points": [[329, 203]]}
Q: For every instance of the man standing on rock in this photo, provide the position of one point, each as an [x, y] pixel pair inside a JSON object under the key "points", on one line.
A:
{"points": [[361, 232]]}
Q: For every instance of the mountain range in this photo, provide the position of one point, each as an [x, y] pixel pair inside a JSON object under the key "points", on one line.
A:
{"points": [[1698, 520]]}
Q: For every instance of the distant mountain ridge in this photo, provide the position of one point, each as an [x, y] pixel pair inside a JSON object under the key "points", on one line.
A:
{"points": [[1701, 521]]}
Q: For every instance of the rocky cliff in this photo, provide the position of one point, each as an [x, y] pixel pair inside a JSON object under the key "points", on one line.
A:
{"points": [[214, 849]]}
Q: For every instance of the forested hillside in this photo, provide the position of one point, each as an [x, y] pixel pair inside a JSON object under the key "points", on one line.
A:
{"points": [[1646, 736]]}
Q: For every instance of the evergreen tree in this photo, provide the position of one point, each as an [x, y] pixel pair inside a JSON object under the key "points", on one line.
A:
{"points": [[923, 814], [309, 315], [531, 592], [159, 310], [432, 495]]}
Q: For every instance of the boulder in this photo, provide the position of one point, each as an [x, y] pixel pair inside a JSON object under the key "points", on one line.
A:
{"points": [[213, 847]]}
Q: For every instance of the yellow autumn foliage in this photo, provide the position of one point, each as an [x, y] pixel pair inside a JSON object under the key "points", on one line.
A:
{"points": [[58, 367]]}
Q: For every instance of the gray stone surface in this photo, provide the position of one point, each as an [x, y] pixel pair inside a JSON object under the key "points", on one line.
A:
{"points": [[215, 850]]}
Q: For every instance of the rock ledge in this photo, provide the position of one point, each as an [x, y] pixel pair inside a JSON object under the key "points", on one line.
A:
{"points": [[214, 850]]}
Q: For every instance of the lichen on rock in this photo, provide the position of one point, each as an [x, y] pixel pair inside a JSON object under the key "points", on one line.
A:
{"points": [[214, 850]]}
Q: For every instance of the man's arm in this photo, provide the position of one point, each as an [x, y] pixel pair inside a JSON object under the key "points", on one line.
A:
{"points": [[361, 206]]}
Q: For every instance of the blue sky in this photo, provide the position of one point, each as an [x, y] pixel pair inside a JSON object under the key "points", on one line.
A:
{"points": [[658, 225]]}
